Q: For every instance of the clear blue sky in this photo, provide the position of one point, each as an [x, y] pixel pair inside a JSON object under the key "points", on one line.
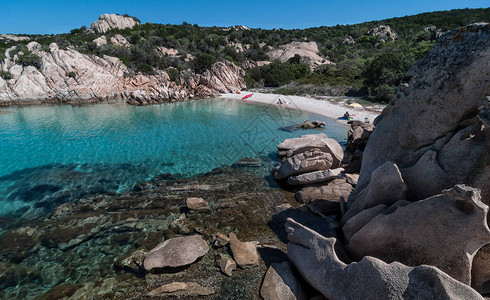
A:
{"points": [[37, 16]]}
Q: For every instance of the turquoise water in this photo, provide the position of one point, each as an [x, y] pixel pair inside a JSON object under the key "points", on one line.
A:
{"points": [[54, 154]]}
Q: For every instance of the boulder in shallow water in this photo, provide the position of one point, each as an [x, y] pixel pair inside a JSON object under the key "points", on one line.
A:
{"points": [[308, 161], [244, 253], [195, 203], [182, 289], [314, 141], [176, 252]]}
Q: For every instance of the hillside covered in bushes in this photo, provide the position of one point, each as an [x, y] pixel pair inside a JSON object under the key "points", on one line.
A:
{"points": [[368, 59]]}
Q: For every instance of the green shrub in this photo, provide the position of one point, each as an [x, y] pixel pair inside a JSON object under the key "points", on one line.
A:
{"points": [[145, 69], [5, 75], [203, 62], [30, 59], [72, 74], [174, 74]]}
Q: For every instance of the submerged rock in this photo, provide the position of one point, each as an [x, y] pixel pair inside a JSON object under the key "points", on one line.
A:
{"points": [[244, 253], [195, 203], [226, 265], [176, 252], [182, 289]]}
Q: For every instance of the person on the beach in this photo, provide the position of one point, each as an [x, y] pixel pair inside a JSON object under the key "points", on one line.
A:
{"points": [[347, 115], [279, 102]]}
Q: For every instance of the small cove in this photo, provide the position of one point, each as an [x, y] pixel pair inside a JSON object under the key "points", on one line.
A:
{"points": [[52, 154]]}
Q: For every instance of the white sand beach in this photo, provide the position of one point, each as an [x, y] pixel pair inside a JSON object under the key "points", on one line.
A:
{"points": [[325, 107]]}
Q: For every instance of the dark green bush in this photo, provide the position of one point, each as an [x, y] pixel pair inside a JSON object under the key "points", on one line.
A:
{"points": [[30, 59], [5, 75]]}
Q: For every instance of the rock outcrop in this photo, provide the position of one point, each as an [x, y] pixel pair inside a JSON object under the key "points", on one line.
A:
{"points": [[307, 50], [70, 76], [107, 22], [429, 232], [384, 33], [317, 260]]}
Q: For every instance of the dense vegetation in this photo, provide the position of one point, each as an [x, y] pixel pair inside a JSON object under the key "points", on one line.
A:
{"points": [[367, 67]]}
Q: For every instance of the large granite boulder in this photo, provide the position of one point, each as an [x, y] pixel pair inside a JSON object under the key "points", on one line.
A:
{"points": [[304, 162], [107, 22], [314, 141], [385, 187], [317, 260], [444, 231], [430, 122], [176, 252], [280, 283]]}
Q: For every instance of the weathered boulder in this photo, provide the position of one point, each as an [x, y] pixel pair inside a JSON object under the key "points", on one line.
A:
{"points": [[107, 22], [480, 271], [314, 141], [280, 282], [195, 203], [308, 161], [308, 51], [445, 89], [305, 125], [331, 191], [176, 252], [120, 41], [317, 260], [429, 232], [182, 289], [226, 265], [354, 224], [244, 253], [386, 187], [358, 135], [314, 177], [352, 178], [100, 41]]}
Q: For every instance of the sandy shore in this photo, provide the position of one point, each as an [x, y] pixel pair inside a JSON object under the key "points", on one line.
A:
{"points": [[325, 107]]}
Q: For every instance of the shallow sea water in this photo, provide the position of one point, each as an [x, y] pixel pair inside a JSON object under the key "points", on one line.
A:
{"points": [[58, 153]]}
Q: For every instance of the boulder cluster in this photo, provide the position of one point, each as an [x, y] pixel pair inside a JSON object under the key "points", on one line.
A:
{"points": [[415, 226]]}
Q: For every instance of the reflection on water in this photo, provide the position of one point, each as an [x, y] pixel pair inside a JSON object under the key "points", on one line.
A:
{"points": [[54, 154]]}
